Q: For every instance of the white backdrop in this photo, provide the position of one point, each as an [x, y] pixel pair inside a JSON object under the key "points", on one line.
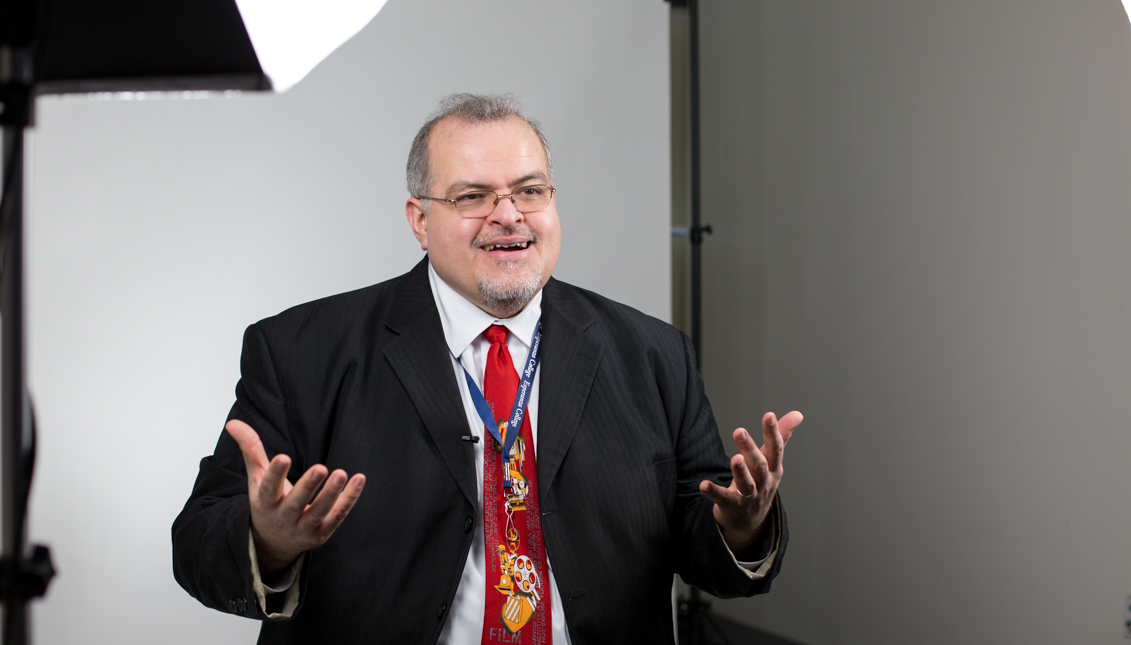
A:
{"points": [[159, 229]]}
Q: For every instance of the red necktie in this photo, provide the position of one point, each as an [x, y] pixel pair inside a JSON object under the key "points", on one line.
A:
{"points": [[518, 583]]}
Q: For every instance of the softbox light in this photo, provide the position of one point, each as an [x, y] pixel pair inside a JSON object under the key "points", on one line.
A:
{"points": [[139, 45], [291, 37]]}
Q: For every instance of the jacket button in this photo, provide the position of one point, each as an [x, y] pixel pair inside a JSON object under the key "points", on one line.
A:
{"points": [[468, 524], [440, 612]]}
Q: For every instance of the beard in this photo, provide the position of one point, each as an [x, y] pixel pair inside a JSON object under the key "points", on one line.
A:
{"points": [[509, 294]]}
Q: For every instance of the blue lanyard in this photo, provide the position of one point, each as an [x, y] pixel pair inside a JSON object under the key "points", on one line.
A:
{"points": [[518, 412]]}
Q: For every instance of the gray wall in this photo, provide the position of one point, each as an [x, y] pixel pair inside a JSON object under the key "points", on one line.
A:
{"points": [[159, 229], [922, 240]]}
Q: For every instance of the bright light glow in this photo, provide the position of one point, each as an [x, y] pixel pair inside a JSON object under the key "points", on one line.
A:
{"points": [[292, 36], [1127, 7], [187, 95]]}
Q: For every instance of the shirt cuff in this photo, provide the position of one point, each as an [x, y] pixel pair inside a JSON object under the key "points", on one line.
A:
{"points": [[759, 568], [288, 584]]}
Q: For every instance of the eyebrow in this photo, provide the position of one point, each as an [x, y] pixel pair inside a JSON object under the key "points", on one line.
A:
{"points": [[461, 186]]}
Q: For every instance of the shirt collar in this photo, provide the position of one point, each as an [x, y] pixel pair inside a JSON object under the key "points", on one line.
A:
{"points": [[464, 321]]}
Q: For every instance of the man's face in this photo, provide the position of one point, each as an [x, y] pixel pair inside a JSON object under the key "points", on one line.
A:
{"points": [[467, 253]]}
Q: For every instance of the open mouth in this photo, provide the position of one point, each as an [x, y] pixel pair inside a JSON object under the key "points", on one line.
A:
{"points": [[515, 246]]}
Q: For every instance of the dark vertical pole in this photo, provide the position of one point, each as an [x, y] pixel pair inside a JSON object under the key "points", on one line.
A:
{"points": [[695, 611], [695, 230], [12, 375], [697, 606], [16, 443]]}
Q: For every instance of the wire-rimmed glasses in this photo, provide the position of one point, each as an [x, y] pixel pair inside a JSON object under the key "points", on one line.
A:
{"points": [[481, 203]]}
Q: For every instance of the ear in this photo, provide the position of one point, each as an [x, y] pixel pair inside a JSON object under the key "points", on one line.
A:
{"points": [[417, 221]]}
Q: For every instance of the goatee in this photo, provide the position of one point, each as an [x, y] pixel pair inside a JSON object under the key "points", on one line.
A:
{"points": [[507, 296]]}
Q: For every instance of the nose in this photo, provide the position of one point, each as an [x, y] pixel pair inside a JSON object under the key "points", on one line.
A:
{"points": [[505, 213]]}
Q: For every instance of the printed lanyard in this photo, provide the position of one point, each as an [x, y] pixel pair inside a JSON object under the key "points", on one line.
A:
{"points": [[518, 412]]}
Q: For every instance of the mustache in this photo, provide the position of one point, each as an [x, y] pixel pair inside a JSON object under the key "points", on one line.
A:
{"points": [[485, 239]]}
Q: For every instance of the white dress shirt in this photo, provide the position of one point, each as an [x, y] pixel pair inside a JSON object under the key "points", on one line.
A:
{"points": [[464, 323]]}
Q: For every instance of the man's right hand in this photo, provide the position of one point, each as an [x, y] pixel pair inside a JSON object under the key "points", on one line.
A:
{"points": [[288, 520]]}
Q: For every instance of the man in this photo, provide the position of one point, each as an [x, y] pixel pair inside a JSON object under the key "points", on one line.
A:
{"points": [[558, 518]]}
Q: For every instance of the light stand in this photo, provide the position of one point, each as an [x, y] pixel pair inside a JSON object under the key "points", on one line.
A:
{"points": [[695, 612], [24, 575], [78, 46], [27, 66]]}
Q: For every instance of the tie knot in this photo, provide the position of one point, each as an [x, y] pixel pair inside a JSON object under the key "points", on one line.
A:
{"points": [[496, 334]]}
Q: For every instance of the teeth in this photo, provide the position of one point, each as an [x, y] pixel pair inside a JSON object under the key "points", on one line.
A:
{"points": [[516, 245]]}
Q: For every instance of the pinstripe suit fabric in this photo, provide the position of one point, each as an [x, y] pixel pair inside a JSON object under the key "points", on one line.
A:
{"points": [[362, 381]]}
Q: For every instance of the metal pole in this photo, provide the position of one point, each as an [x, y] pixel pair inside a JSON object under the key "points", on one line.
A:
{"points": [[696, 608], [24, 574], [13, 411], [695, 230], [12, 380]]}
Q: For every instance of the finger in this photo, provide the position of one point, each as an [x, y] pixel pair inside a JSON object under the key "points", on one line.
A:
{"points": [[788, 424], [774, 446], [345, 502], [254, 457], [316, 512], [303, 491], [272, 487], [744, 465], [724, 497]]}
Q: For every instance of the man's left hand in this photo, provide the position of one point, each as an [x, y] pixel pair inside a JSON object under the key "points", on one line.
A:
{"points": [[743, 508]]}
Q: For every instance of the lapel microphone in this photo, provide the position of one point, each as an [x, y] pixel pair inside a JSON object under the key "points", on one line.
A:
{"points": [[471, 438]]}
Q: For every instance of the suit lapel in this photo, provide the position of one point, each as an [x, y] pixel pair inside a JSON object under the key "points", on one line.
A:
{"points": [[569, 366], [419, 357]]}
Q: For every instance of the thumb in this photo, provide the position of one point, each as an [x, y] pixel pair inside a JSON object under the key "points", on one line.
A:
{"points": [[788, 424], [254, 457]]}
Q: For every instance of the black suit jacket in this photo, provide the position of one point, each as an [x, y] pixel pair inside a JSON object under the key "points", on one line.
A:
{"points": [[363, 381]]}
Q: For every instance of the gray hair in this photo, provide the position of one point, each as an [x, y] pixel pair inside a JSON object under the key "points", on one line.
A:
{"points": [[469, 108]]}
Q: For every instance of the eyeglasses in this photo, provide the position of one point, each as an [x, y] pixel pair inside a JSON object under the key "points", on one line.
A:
{"points": [[481, 203]]}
